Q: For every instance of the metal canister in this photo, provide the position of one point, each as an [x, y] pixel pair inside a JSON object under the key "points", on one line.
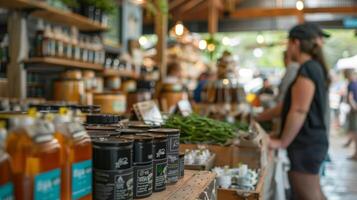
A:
{"points": [[142, 162], [181, 164], [160, 161], [173, 145], [112, 168]]}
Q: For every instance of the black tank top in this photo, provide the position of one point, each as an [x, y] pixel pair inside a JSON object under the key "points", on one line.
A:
{"points": [[313, 131]]}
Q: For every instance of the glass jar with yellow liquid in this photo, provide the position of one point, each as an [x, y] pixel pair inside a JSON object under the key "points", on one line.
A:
{"points": [[6, 181], [35, 157], [76, 158]]}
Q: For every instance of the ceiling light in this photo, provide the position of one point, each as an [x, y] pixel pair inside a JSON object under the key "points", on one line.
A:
{"points": [[179, 29], [299, 5], [258, 52], [260, 39], [143, 40], [226, 41], [202, 44]]}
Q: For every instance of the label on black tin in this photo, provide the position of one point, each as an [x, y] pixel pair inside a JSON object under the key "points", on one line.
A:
{"points": [[113, 184], [174, 143], [112, 158], [160, 174], [172, 168], [143, 176], [160, 150]]}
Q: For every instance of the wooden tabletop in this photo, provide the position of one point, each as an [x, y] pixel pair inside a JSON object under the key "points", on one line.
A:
{"points": [[190, 187]]}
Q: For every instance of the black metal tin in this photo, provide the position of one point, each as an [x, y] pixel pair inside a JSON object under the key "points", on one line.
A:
{"points": [[160, 161], [113, 184], [112, 153], [143, 180], [143, 165], [173, 136], [112, 168], [172, 168], [159, 145], [142, 150], [181, 165]]}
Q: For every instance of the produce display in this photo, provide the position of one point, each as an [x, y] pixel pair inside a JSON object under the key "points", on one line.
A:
{"points": [[198, 129]]}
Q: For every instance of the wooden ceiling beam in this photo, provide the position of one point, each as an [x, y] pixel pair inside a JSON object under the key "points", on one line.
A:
{"points": [[246, 13], [175, 3], [188, 6], [199, 13]]}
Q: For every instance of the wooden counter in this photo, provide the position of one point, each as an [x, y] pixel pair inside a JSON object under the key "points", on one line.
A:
{"points": [[194, 185]]}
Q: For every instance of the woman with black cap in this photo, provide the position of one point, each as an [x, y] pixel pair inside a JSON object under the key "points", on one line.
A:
{"points": [[304, 129]]}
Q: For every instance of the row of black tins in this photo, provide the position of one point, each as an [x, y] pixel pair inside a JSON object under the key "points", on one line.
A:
{"points": [[133, 163]]}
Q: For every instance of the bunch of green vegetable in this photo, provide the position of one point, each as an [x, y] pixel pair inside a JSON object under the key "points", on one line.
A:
{"points": [[198, 129], [242, 126]]}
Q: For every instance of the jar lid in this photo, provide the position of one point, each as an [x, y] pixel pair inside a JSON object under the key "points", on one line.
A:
{"points": [[138, 138], [158, 136], [102, 119], [141, 125], [165, 130], [112, 141], [127, 131]]}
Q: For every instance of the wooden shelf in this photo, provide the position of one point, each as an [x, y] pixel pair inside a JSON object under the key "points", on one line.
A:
{"points": [[120, 73], [191, 187], [52, 14], [63, 63]]}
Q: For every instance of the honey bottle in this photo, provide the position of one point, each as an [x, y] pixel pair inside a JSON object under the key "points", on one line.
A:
{"points": [[6, 181], [76, 158], [36, 166], [15, 144]]}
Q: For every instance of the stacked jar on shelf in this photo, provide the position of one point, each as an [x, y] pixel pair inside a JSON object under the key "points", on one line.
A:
{"points": [[60, 43]]}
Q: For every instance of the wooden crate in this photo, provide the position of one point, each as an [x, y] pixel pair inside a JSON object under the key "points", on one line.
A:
{"points": [[233, 155], [231, 194], [208, 166], [194, 185], [254, 156]]}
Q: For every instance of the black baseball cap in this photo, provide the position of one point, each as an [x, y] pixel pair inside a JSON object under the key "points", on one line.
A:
{"points": [[317, 29], [302, 32]]}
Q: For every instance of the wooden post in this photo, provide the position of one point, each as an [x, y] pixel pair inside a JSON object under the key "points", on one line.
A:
{"points": [[212, 17], [161, 24], [301, 17], [18, 50]]}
